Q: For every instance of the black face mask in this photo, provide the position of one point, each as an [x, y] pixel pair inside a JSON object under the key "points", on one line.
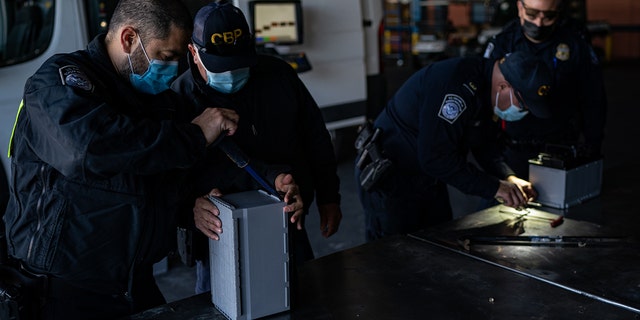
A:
{"points": [[537, 33]]}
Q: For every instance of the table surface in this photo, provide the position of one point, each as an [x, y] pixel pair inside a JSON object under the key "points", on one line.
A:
{"points": [[435, 274], [602, 263]]}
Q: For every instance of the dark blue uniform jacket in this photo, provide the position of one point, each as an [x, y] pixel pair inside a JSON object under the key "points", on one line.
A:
{"points": [[438, 115], [578, 97], [280, 124], [94, 183]]}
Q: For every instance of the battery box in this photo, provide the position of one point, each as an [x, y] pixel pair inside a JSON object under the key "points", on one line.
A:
{"points": [[561, 184], [250, 261]]}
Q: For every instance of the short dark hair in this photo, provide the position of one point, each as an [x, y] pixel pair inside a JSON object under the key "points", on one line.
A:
{"points": [[151, 18]]}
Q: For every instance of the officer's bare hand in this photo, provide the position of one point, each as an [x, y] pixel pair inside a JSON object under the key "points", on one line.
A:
{"points": [[526, 187], [285, 183], [205, 215], [511, 194], [215, 121], [330, 216]]}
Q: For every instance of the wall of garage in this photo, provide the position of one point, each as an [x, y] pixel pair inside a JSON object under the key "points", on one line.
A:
{"points": [[624, 18]]}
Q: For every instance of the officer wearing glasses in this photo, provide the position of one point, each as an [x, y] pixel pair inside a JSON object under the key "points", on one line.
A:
{"points": [[578, 100]]}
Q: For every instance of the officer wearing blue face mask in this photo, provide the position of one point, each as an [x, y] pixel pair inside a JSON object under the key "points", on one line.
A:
{"points": [[98, 155], [280, 124], [535, 88], [578, 102], [426, 131], [512, 113], [158, 77]]}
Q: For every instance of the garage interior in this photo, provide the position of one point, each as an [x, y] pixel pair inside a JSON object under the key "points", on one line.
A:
{"points": [[616, 26]]}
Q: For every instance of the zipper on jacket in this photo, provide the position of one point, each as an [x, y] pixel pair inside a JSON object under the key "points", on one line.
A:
{"points": [[38, 207], [133, 268]]}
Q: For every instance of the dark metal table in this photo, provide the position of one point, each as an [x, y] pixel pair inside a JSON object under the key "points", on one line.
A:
{"points": [[602, 264], [430, 275]]}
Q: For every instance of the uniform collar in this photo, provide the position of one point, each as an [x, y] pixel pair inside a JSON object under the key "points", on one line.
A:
{"points": [[97, 48]]}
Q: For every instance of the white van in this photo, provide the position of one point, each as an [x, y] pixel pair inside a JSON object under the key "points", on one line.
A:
{"points": [[341, 42], [30, 32]]}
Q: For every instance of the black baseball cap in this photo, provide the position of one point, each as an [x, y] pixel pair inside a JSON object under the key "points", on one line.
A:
{"points": [[531, 78], [222, 37]]}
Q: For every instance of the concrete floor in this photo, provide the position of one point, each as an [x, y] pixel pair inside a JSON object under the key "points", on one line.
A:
{"points": [[621, 150]]}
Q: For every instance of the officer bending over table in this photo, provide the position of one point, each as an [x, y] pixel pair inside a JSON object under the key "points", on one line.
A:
{"points": [[420, 141]]}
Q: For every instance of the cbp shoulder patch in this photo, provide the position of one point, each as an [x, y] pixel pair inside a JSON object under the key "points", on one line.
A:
{"points": [[452, 107], [72, 76]]}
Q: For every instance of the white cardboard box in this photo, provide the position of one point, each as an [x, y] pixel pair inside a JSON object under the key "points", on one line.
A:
{"points": [[250, 262], [563, 188]]}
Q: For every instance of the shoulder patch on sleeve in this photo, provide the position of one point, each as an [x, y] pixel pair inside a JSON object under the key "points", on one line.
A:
{"points": [[72, 76], [452, 107]]}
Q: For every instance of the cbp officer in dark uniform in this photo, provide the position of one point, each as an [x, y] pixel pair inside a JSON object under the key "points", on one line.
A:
{"points": [[281, 124], [578, 101], [426, 130], [97, 154]]}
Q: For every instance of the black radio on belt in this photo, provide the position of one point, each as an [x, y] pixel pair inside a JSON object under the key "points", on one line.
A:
{"points": [[374, 167]]}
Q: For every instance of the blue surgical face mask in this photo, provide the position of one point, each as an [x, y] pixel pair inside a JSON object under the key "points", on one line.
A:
{"points": [[512, 113], [228, 81], [158, 76]]}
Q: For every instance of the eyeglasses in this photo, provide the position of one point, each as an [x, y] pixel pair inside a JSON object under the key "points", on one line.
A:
{"points": [[532, 14]]}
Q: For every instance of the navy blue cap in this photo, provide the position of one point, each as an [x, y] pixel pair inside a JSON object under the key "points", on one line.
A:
{"points": [[223, 38], [531, 79]]}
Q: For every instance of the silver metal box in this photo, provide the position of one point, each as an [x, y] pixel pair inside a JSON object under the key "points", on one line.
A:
{"points": [[250, 262], [562, 188]]}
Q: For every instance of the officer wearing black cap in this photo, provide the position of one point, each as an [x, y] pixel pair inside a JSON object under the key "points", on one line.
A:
{"points": [[280, 122], [222, 34], [523, 71], [578, 101], [426, 130]]}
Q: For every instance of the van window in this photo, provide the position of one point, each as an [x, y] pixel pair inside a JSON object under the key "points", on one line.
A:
{"points": [[25, 29], [26, 26], [98, 15]]}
